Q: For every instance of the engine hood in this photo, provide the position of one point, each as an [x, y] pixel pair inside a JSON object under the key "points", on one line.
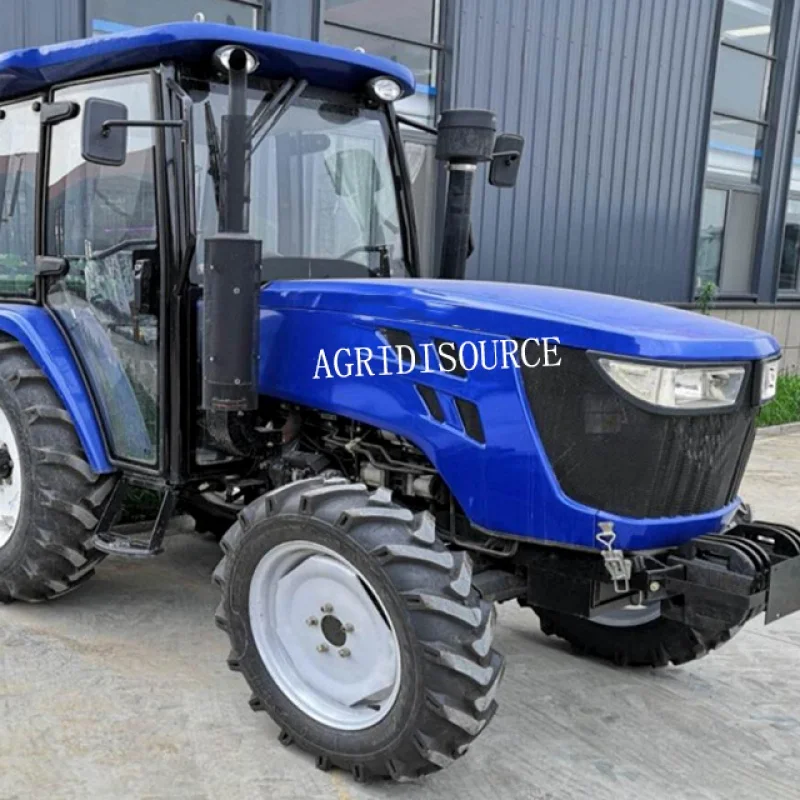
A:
{"points": [[579, 319]]}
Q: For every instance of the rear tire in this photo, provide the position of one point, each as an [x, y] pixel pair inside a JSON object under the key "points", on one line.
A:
{"points": [[652, 644], [47, 550], [448, 671]]}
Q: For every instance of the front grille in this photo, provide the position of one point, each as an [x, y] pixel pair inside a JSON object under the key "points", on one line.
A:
{"points": [[615, 456]]}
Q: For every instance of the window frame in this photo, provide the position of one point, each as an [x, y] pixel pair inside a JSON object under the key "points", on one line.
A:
{"points": [[164, 234]]}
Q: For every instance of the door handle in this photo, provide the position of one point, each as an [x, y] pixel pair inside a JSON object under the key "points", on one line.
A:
{"points": [[145, 287]]}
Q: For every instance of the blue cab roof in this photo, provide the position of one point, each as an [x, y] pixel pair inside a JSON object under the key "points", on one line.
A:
{"points": [[36, 68]]}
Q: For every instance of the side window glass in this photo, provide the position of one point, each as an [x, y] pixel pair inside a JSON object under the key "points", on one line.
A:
{"points": [[93, 208], [19, 156]]}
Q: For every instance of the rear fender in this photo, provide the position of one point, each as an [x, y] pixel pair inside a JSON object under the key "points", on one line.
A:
{"points": [[35, 329]]}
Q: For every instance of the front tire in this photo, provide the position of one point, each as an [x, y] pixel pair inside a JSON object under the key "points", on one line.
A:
{"points": [[655, 643], [422, 706], [50, 498]]}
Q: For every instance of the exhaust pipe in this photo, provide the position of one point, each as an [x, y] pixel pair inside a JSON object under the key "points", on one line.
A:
{"points": [[466, 138], [232, 274]]}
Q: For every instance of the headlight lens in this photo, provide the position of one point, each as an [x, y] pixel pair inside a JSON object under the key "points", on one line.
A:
{"points": [[676, 387], [769, 380], [385, 89]]}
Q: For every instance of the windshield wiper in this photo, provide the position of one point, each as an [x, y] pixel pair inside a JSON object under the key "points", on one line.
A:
{"points": [[268, 114], [12, 205], [264, 119], [212, 140]]}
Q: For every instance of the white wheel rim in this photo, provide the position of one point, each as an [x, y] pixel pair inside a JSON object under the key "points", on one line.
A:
{"points": [[10, 487], [629, 617], [324, 636]]}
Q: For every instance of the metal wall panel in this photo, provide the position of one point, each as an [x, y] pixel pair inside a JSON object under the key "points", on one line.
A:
{"points": [[29, 24], [613, 99]]}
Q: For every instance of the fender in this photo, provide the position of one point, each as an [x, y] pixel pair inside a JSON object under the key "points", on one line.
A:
{"points": [[35, 329]]}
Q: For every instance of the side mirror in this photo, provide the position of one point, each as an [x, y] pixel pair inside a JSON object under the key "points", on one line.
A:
{"points": [[506, 160], [103, 144]]}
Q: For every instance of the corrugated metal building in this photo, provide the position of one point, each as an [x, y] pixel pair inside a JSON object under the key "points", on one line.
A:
{"points": [[661, 135]]}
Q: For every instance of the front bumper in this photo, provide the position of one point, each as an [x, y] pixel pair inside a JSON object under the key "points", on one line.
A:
{"points": [[717, 582], [713, 584]]}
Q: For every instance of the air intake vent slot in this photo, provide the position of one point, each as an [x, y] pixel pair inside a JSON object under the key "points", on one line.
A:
{"points": [[431, 400], [451, 352], [471, 419], [396, 338]]}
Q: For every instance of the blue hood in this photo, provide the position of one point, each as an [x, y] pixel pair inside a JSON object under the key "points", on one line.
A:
{"points": [[579, 319]]}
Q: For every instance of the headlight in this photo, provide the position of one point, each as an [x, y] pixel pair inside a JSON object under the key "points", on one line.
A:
{"points": [[769, 380], [387, 90], [678, 388]]}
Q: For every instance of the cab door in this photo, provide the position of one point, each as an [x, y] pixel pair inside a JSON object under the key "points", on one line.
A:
{"points": [[103, 222]]}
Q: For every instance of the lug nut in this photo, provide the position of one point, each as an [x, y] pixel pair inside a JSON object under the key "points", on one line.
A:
{"points": [[655, 586], [322, 648], [327, 609], [348, 627], [344, 652], [312, 621]]}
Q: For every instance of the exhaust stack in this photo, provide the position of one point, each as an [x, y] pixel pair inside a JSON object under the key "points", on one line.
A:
{"points": [[466, 138], [232, 273]]}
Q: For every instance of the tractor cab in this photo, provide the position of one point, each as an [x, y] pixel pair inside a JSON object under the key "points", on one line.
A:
{"points": [[278, 157]]}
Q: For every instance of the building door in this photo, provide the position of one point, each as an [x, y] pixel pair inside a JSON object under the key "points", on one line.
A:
{"points": [[103, 221]]}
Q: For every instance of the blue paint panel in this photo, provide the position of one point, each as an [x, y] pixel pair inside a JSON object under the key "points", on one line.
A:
{"points": [[505, 484], [34, 69], [581, 319], [36, 330]]}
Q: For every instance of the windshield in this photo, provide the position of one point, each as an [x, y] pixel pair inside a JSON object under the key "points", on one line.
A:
{"points": [[322, 190]]}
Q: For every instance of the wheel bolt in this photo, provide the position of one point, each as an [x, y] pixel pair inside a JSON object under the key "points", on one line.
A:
{"points": [[312, 621], [655, 586], [344, 652], [322, 648], [348, 627], [327, 609]]}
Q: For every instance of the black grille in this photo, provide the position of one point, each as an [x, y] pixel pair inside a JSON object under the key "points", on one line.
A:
{"points": [[613, 455]]}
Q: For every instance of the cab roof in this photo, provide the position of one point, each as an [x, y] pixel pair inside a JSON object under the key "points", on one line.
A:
{"points": [[35, 69]]}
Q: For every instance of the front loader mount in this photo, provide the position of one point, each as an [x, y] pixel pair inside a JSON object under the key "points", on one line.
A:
{"points": [[712, 583]]}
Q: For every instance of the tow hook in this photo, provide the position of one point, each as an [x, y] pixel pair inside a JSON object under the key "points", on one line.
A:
{"points": [[618, 567]]}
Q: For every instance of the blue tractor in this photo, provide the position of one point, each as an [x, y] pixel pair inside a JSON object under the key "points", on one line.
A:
{"points": [[211, 288]]}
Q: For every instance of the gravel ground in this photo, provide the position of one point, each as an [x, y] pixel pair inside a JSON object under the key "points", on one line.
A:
{"points": [[121, 691]]}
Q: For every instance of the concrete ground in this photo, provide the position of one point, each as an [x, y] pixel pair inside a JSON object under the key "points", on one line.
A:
{"points": [[121, 691]]}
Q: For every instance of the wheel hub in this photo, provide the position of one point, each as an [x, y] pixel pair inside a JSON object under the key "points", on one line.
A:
{"points": [[6, 463], [333, 630], [324, 636], [10, 481]]}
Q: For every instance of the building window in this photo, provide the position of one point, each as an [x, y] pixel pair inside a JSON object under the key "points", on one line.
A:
{"points": [[732, 194], [406, 32], [111, 16], [789, 276]]}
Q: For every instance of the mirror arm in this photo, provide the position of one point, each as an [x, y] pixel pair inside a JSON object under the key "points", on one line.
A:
{"points": [[511, 155], [420, 126], [141, 123]]}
